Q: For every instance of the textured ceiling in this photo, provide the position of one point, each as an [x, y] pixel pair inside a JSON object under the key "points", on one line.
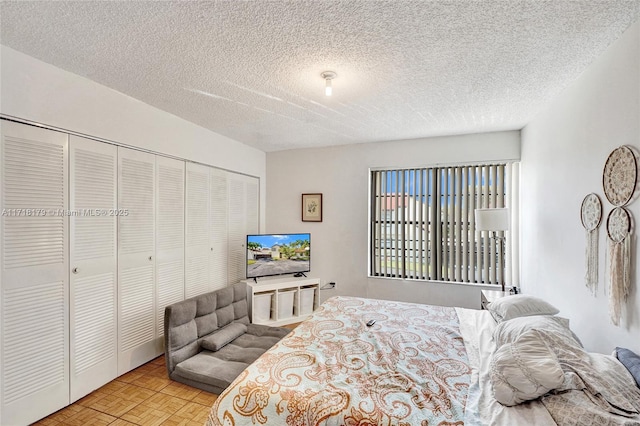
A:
{"points": [[251, 70]]}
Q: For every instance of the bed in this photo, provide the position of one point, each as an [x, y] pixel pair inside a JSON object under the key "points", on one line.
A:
{"points": [[416, 365]]}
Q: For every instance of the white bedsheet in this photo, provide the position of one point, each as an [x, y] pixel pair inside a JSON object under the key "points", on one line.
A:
{"points": [[477, 329]]}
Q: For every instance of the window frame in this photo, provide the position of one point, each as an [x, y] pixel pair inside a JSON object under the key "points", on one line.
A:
{"points": [[498, 272]]}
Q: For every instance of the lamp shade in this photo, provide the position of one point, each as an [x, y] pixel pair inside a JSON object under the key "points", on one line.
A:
{"points": [[492, 219]]}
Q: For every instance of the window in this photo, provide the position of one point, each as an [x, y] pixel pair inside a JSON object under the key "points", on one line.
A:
{"points": [[422, 223]]}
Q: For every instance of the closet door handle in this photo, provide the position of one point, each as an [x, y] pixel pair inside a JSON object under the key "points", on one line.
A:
{"points": [[75, 270], [150, 258]]}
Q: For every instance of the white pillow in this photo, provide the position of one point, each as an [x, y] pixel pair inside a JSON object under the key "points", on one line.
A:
{"points": [[509, 331], [520, 305], [524, 370]]}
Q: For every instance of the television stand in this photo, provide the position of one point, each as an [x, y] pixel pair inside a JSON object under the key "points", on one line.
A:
{"points": [[280, 301]]}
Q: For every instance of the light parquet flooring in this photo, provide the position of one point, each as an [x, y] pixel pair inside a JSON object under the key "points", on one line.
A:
{"points": [[144, 396]]}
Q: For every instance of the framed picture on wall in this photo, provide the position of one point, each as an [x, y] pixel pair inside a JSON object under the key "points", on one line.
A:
{"points": [[312, 207]]}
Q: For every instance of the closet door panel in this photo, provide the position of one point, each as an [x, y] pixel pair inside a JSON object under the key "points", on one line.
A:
{"points": [[243, 220], [252, 212], [198, 250], [136, 259], [219, 225], [34, 332], [170, 180], [237, 237], [93, 264]]}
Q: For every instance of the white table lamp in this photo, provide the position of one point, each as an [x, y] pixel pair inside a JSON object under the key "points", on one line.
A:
{"points": [[493, 220]]}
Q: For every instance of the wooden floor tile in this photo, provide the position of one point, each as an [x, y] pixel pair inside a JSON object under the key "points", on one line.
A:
{"points": [[93, 397], [179, 421], [151, 382], [113, 386], [120, 422], [158, 361], [130, 376], [145, 368], [87, 416], [195, 412], [181, 391], [205, 398], [166, 403], [159, 371], [145, 415], [113, 405], [190, 414], [142, 397], [134, 393]]}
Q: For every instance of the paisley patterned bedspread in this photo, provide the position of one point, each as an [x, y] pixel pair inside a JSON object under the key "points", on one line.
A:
{"points": [[410, 368]]}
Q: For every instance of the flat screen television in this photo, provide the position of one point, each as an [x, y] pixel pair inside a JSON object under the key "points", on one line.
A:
{"points": [[278, 254]]}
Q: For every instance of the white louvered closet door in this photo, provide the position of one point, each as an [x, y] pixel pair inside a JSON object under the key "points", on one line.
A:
{"points": [[169, 235], [218, 227], [197, 231], [252, 210], [93, 264], [136, 259], [34, 333], [243, 220]]}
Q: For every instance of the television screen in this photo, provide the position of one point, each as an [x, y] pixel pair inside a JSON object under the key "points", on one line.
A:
{"points": [[277, 254]]}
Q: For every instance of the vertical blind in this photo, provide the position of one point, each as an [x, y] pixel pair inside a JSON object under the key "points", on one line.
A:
{"points": [[422, 223]]}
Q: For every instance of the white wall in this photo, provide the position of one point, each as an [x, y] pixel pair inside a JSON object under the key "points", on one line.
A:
{"points": [[341, 174], [563, 154], [33, 90]]}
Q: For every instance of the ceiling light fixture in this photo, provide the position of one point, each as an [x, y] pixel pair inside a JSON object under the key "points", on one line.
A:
{"points": [[328, 76]]}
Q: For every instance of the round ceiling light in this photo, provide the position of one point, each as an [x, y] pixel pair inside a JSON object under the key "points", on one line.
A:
{"points": [[328, 76]]}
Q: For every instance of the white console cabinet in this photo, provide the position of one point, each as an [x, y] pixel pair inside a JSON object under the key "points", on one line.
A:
{"points": [[280, 301]]}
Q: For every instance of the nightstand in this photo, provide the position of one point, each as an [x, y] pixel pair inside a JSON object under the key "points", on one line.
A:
{"points": [[488, 296]]}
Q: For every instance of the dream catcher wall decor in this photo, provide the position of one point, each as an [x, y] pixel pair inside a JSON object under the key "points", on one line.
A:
{"points": [[619, 182], [591, 216], [619, 176]]}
